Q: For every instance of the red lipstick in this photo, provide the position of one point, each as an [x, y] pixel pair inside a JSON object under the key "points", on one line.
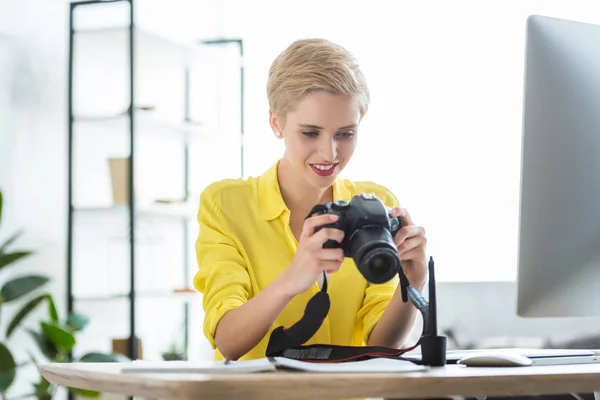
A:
{"points": [[324, 169]]}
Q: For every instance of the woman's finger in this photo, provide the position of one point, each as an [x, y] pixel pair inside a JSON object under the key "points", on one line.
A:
{"points": [[327, 234], [331, 255], [403, 213], [411, 244], [318, 220], [418, 253], [329, 266], [407, 232]]}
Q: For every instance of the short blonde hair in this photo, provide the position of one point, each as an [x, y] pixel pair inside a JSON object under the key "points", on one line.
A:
{"points": [[314, 64]]}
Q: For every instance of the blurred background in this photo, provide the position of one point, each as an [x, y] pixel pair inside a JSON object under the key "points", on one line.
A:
{"points": [[443, 132]]}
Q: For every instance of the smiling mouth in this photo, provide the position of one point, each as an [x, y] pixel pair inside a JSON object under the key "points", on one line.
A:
{"points": [[324, 169]]}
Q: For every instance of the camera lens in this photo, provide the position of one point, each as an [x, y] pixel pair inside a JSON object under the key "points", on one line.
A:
{"points": [[375, 254], [380, 264]]}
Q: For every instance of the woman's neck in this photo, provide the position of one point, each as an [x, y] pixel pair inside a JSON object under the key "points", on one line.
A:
{"points": [[298, 195]]}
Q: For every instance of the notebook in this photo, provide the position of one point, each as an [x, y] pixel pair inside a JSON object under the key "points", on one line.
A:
{"points": [[269, 365]]}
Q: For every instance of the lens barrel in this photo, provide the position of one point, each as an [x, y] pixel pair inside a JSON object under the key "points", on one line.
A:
{"points": [[375, 255]]}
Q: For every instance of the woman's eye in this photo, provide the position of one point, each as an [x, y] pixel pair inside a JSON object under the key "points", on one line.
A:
{"points": [[343, 135]]}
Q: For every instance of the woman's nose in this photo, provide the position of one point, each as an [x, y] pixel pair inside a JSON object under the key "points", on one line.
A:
{"points": [[328, 149]]}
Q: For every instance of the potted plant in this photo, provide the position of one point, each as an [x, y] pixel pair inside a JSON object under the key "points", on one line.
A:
{"points": [[54, 337], [174, 352]]}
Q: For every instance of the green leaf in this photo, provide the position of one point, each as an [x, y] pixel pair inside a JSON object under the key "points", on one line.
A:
{"points": [[99, 357], [84, 392], [58, 336], [44, 383], [47, 348], [52, 313], [7, 368], [173, 356], [42, 389], [23, 312], [9, 258], [9, 241], [42, 394], [77, 321], [21, 286]]}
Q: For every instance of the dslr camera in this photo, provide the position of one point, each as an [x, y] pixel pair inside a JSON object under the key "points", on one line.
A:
{"points": [[368, 235]]}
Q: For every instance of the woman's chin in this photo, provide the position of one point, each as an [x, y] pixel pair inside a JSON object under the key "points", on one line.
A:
{"points": [[321, 181]]}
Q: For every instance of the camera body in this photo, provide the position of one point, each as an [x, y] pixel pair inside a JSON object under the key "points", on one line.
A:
{"points": [[368, 235]]}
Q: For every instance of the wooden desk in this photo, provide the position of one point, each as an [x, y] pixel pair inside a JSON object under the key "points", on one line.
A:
{"points": [[452, 380]]}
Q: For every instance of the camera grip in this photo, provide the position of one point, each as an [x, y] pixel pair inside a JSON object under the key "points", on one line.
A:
{"points": [[396, 224], [331, 244]]}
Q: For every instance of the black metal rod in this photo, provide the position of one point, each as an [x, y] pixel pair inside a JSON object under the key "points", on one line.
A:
{"points": [[133, 347], [87, 2], [70, 170], [186, 333], [433, 327]]}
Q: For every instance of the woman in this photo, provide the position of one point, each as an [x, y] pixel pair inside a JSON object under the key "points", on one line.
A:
{"points": [[259, 258]]}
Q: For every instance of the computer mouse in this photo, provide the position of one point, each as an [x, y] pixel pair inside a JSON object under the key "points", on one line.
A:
{"points": [[495, 360]]}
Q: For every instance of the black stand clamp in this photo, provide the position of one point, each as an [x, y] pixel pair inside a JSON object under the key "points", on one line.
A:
{"points": [[433, 346]]}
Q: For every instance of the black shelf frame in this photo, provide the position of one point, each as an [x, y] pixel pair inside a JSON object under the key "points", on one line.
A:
{"points": [[132, 341], [131, 206]]}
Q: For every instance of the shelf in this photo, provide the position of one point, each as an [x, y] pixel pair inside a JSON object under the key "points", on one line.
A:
{"points": [[145, 125], [151, 48], [176, 210], [183, 296], [165, 80]]}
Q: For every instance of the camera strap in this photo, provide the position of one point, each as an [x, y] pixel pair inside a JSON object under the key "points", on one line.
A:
{"points": [[289, 342]]}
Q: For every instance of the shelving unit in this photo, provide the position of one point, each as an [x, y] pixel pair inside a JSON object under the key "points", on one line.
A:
{"points": [[147, 126], [115, 108]]}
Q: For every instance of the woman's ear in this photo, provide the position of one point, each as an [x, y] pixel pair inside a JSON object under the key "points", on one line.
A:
{"points": [[275, 126]]}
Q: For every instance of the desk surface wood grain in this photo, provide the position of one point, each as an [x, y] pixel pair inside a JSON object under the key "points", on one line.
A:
{"points": [[451, 380]]}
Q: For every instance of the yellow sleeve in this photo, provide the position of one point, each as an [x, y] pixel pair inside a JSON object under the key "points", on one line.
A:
{"points": [[222, 276], [378, 296], [376, 299]]}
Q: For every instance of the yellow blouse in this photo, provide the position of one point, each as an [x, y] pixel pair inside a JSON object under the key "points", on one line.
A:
{"points": [[245, 242]]}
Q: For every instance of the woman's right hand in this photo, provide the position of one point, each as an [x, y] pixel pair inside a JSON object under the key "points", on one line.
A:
{"points": [[311, 259]]}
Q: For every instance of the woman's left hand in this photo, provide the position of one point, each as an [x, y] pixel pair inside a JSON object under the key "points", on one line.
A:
{"points": [[411, 243]]}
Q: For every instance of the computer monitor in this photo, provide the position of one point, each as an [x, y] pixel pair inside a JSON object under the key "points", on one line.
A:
{"points": [[559, 221]]}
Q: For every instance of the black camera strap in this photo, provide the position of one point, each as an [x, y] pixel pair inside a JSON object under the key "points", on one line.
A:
{"points": [[288, 342]]}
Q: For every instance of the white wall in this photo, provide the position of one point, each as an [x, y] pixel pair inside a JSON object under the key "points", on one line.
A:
{"points": [[443, 130], [484, 313], [33, 39], [32, 150]]}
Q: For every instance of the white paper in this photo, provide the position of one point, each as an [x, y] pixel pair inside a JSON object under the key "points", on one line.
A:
{"points": [[205, 367], [370, 365], [265, 365]]}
